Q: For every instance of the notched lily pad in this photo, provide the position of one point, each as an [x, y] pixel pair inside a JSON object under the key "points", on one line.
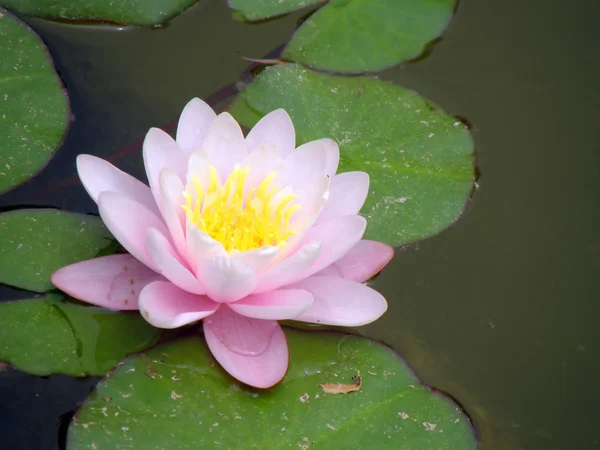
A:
{"points": [[34, 243], [174, 396], [419, 159], [34, 109], [132, 12], [51, 335]]}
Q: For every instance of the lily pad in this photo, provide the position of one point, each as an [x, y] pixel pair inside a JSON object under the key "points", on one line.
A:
{"points": [[132, 12], [34, 243], [419, 159], [263, 9], [34, 109], [50, 335], [354, 36], [174, 396]]}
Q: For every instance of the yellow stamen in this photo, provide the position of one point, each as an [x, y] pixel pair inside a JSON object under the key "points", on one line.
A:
{"points": [[239, 223]]}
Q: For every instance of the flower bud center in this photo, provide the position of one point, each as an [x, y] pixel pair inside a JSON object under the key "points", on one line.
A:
{"points": [[259, 218]]}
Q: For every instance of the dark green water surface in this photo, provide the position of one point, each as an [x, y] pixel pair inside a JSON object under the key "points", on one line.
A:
{"points": [[502, 309]]}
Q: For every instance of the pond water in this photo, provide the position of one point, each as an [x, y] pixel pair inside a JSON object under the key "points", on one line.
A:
{"points": [[501, 309]]}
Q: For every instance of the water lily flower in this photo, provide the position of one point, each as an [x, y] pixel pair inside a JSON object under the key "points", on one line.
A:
{"points": [[237, 232]]}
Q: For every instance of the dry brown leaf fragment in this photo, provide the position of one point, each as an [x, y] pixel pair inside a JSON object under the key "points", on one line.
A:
{"points": [[342, 388]]}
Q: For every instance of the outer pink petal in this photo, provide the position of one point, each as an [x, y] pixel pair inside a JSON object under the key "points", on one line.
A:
{"points": [[164, 305], [364, 260], [252, 350], [287, 270], [338, 237], [309, 161], [224, 144], [193, 124], [332, 270], [275, 305], [347, 194], [275, 128], [167, 262], [162, 152], [113, 281], [341, 302], [225, 279], [98, 175], [129, 222]]}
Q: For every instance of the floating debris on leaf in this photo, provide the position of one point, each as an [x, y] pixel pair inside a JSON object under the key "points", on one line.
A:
{"points": [[342, 388]]}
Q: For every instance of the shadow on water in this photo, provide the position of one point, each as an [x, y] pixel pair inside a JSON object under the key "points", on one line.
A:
{"points": [[500, 311]]}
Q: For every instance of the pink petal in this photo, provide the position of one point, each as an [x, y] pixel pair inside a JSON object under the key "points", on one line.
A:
{"points": [[164, 305], [168, 263], [312, 198], [171, 190], [224, 144], [275, 305], [193, 124], [129, 222], [341, 302], [338, 236], [201, 246], [113, 281], [258, 259], [347, 194], [275, 128], [225, 279], [162, 152], [252, 350], [262, 160], [364, 260], [287, 270], [98, 175], [309, 161], [331, 270]]}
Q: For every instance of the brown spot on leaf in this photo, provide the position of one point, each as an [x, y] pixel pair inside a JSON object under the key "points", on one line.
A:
{"points": [[341, 388]]}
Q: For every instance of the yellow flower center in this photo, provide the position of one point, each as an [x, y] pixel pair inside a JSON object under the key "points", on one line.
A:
{"points": [[258, 219]]}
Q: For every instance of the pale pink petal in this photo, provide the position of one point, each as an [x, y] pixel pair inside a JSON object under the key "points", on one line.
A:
{"points": [[225, 279], [98, 175], [198, 167], [193, 124], [332, 270], [341, 302], [252, 350], [113, 281], [312, 198], [275, 305], [258, 259], [347, 193], [171, 189], [287, 270], [201, 246], [309, 161], [164, 305], [129, 223], [338, 237], [162, 152], [364, 260], [168, 263], [224, 144], [275, 128], [262, 161]]}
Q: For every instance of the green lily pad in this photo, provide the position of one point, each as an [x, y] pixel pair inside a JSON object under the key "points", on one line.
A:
{"points": [[354, 36], [420, 160], [34, 109], [50, 335], [263, 9], [174, 396], [132, 12], [34, 243]]}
